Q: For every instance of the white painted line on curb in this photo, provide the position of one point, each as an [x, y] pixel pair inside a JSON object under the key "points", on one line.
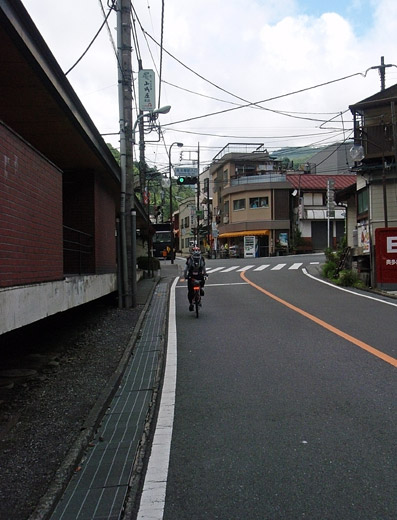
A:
{"points": [[348, 290], [153, 495]]}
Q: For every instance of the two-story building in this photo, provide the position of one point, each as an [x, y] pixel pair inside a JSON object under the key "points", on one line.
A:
{"points": [[374, 150], [251, 199], [315, 219]]}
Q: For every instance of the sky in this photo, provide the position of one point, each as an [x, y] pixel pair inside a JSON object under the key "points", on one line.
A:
{"points": [[275, 73]]}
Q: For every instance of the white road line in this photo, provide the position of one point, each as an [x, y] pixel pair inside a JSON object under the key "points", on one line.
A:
{"points": [[214, 269], [262, 267], [231, 269], [245, 268], [153, 495], [278, 267], [348, 290], [296, 266]]}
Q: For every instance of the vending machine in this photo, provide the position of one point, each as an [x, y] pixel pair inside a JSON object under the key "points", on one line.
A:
{"points": [[250, 247]]}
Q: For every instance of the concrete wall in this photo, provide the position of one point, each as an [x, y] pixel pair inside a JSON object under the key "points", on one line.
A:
{"points": [[23, 305]]}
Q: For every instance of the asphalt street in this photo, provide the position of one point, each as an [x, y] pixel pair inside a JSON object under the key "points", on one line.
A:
{"points": [[278, 415]]}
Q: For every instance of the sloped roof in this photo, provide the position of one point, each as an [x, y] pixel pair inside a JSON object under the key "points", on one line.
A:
{"points": [[380, 98], [309, 181], [38, 102]]}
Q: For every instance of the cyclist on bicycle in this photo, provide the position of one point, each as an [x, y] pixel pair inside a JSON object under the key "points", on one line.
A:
{"points": [[194, 269]]}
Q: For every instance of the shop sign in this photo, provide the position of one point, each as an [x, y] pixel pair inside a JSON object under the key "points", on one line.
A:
{"points": [[386, 257]]}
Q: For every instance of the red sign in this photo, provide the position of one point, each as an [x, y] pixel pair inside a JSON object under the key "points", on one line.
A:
{"points": [[386, 258]]}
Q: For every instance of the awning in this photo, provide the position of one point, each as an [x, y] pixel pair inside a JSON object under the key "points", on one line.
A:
{"points": [[245, 233]]}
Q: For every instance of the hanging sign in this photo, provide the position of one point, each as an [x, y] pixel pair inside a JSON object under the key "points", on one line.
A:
{"points": [[146, 85]]}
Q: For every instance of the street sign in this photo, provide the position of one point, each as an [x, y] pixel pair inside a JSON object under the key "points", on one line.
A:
{"points": [[183, 171], [146, 85]]}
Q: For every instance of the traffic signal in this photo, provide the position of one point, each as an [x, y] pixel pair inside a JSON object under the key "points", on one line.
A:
{"points": [[186, 180]]}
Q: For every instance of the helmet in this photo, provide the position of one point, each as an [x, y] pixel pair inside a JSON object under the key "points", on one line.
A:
{"points": [[196, 252]]}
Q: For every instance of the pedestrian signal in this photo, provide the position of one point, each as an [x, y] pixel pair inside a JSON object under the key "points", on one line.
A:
{"points": [[186, 180]]}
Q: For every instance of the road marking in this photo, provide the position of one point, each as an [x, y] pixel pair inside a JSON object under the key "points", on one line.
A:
{"points": [[295, 266], [153, 494], [348, 290], [215, 285], [231, 269], [381, 355], [245, 268], [278, 267], [262, 267], [212, 270]]}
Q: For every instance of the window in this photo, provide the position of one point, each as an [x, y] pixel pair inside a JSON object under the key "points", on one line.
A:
{"points": [[313, 199], [259, 202], [362, 201], [238, 204], [186, 222]]}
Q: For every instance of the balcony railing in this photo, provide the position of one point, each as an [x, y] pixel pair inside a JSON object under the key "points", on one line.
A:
{"points": [[257, 179]]}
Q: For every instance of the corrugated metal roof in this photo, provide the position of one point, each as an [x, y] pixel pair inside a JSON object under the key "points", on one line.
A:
{"points": [[309, 181]]}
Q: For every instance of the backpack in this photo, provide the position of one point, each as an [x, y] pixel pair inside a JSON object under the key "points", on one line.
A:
{"points": [[196, 266]]}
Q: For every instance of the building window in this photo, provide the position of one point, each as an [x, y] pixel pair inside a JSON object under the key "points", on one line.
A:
{"points": [[259, 202], [186, 222], [313, 199], [362, 201], [238, 204]]}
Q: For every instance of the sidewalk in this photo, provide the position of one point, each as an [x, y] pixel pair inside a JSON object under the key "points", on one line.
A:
{"points": [[106, 477]]}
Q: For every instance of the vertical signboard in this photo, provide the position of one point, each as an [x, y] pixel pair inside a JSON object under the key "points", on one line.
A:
{"points": [[386, 258], [147, 94]]}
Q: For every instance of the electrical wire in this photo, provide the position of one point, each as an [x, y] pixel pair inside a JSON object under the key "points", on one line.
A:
{"points": [[249, 104], [92, 41], [306, 89], [253, 137]]}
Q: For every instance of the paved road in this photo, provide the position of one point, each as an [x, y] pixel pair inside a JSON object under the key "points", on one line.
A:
{"points": [[285, 400]]}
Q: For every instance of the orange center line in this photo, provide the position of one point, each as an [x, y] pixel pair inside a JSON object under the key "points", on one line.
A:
{"points": [[392, 361]]}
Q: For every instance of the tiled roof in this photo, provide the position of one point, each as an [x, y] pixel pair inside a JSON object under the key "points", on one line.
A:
{"points": [[309, 181]]}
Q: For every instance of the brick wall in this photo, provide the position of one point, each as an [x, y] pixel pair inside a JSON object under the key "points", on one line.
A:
{"points": [[31, 248]]}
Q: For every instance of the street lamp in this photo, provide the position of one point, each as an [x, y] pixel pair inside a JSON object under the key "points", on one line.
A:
{"points": [[152, 116], [171, 220]]}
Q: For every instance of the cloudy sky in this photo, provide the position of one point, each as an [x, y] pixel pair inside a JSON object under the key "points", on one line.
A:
{"points": [[220, 57]]}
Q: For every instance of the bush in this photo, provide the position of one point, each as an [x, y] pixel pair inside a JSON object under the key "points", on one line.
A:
{"points": [[348, 278], [143, 263], [329, 269]]}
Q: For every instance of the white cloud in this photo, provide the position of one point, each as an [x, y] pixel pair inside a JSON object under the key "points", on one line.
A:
{"points": [[257, 49]]}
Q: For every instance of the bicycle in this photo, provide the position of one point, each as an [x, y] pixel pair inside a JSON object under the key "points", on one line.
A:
{"points": [[196, 286]]}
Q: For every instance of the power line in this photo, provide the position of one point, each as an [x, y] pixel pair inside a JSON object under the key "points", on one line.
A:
{"points": [[93, 40], [306, 89]]}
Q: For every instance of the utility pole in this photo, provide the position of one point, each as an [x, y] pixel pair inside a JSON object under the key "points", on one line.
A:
{"points": [[382, 72], [127, 202], [198, 195]]}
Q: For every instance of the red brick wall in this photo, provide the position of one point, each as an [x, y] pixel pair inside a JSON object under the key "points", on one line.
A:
{"points": [[31, 248]]}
